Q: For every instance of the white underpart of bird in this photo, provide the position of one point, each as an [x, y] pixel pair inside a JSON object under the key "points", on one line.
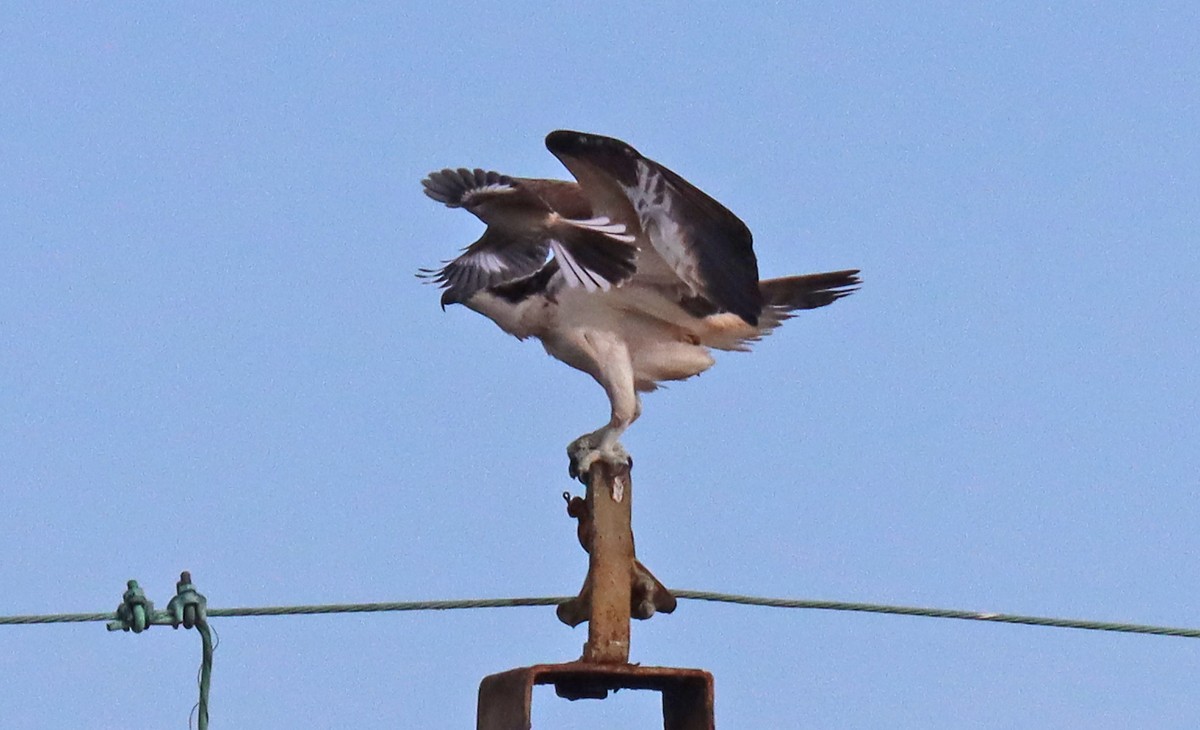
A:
{"points": [[631, 275]]}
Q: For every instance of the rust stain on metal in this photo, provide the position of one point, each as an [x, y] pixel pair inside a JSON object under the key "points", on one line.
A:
{"points": [[506, 699]]}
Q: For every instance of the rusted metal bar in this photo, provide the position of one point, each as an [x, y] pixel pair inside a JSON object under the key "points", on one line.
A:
{"points": [[506, 699], [610, 563]]}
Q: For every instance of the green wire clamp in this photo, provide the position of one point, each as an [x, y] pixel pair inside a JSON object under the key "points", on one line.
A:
{"points": [[135, 613], [188, 607]]}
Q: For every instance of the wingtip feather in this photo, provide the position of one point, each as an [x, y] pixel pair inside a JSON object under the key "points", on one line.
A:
{"points": [[454, 187]]}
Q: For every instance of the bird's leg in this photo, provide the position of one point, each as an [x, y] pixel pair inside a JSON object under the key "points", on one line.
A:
{"points": [[616, 375]]}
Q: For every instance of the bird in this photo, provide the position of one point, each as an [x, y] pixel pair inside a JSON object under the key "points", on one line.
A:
{"points": [[630, 274]]}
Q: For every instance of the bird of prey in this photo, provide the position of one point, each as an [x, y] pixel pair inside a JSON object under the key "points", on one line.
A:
{"points": [[630, 274]]}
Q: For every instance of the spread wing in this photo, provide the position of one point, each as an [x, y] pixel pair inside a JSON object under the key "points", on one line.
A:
{"points": [[594, 253], [502, 253], [707, 247]]}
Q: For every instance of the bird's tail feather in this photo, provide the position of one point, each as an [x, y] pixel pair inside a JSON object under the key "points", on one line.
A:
{"points": [[782, 298], [791, 293]]}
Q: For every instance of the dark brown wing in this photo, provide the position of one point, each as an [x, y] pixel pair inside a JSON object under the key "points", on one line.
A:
{"points": [[707, 246]]}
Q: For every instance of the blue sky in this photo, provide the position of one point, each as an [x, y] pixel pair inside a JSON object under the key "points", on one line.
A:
{"points": [[214, 357]]}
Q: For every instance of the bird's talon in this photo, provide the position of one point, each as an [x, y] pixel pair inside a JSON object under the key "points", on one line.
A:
{"points": [[577, 455], [583, 455]]}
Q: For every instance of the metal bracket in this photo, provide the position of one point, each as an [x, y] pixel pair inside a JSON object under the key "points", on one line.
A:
{"points": [[648, 595], [506, 699]]}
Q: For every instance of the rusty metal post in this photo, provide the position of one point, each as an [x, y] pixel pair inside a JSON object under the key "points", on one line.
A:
{"points": [[617, 588], [610, 563]]}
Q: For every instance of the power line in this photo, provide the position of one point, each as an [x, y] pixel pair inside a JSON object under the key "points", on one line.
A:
{"points": [[70, 618], [1004, 618], [337, 608]]}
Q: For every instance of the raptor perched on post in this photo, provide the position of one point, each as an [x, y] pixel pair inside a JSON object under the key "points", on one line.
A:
{"points": [[631, 274]]}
